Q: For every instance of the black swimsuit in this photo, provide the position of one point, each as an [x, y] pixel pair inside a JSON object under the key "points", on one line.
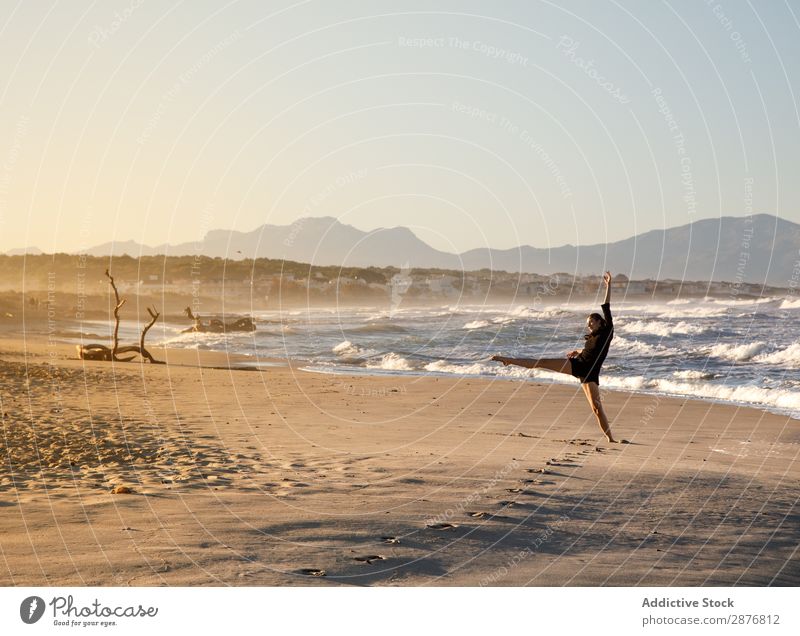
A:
{"points": [[586, 365]]}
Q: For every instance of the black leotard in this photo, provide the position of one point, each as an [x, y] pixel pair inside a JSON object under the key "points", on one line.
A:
{"points": [[586, 365]]}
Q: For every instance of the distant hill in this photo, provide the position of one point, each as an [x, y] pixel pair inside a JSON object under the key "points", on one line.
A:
{"points": [[757, 249], [24, 250]]}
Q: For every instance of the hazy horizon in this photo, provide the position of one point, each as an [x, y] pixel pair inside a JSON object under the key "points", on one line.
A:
{"points": [[198, 239], [473, 125]]}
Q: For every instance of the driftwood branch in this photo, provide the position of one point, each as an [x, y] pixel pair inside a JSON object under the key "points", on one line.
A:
{"points": [[117, 307], [102, 352], [214, 325], [142, 351]]}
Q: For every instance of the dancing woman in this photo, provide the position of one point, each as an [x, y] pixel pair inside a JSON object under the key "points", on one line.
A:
{"points": [[584, 365]]}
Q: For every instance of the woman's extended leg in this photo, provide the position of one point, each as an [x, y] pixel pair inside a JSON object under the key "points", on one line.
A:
{"points": [[560, 365], [592, 392]]}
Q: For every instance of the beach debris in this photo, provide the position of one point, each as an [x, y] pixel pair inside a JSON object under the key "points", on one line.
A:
{"points": [[442, 526], [538, 482], [543, 471], [312, 572], [390, 540], [479, 514], [215, 325], [369, 559], [109, 354], [122, 490]]}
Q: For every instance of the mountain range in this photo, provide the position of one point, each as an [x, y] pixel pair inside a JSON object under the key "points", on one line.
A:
{"points": [[759, 249]]}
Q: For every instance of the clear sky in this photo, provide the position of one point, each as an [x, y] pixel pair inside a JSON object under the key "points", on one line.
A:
{"points": [[473, 123]]}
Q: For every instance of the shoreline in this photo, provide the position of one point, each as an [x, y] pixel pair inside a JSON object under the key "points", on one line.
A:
{"points": [[265, 478], [250, 362]]}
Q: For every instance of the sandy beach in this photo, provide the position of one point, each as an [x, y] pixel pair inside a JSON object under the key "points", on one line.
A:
{"points": [[279, 476]]}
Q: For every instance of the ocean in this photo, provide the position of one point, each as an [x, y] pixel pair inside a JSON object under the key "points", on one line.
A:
{"points": [[743, 352]]}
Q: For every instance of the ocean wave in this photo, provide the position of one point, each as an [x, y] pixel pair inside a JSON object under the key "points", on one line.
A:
{"points": [[695, 312], [789, 356], [665, 329], [790, 304], [625, 383], [523, 311], [477, 324], [711, 307], [777, 398], [481, 368], [391, 362], [693, 374], [737, 353], [383, 327], [639, 348], [199, 340], [346, 348], [782, 399]]}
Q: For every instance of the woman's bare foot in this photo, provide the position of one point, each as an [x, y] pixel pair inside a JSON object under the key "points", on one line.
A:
{"points": [[611, 440]]}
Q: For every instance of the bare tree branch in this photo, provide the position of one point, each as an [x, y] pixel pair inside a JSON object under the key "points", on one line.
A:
{"points": [[117, 307], [102, 352], [142, 351]]}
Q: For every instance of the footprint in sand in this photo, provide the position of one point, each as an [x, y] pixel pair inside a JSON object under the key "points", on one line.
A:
{"points": [[312, 572], [369, 559], [479, 514], [442, 526], [542, 471], [537, 482]]}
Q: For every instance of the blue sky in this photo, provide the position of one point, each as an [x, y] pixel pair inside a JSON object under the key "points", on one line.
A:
{"points": [[473, 123]]}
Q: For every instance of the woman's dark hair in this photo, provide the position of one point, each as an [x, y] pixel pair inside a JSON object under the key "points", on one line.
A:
{"points": [[599, 319]]}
